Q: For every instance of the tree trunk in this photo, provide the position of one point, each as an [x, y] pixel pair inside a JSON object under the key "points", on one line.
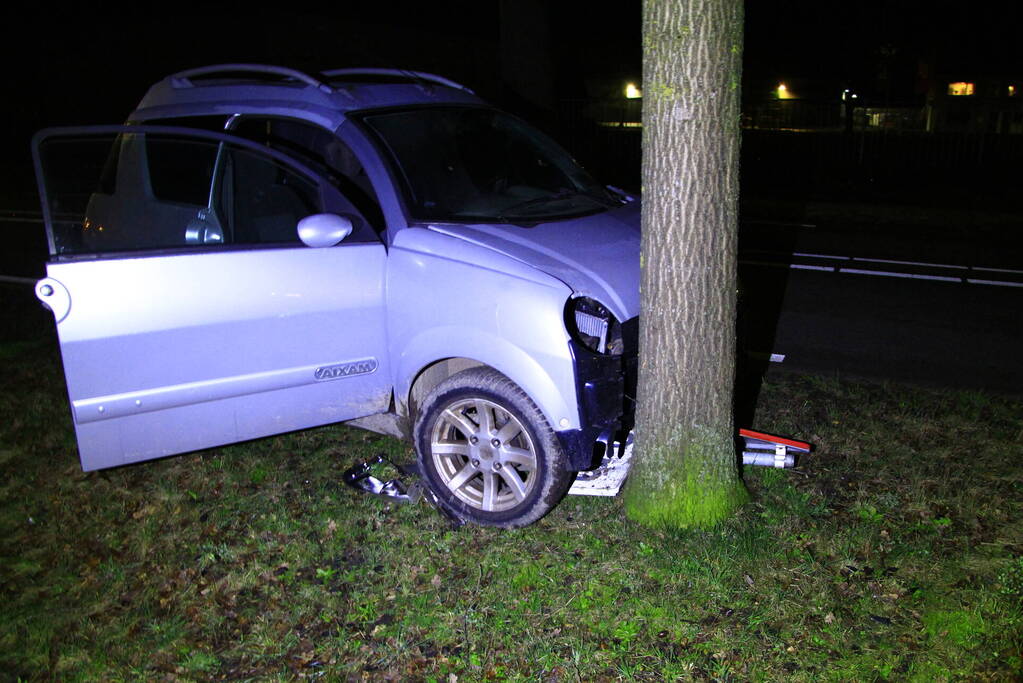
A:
{"points": [[685, 472]]}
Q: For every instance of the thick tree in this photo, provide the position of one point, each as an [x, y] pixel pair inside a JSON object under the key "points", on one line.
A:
{"points": [[685, 472]]}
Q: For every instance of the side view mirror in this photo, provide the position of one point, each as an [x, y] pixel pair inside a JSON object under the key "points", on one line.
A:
{"points": [[323, 229]]}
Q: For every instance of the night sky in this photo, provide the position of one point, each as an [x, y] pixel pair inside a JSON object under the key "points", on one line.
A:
{"points": [[93, 61]]}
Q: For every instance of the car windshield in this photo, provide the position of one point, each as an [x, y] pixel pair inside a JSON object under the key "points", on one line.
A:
{"points": [[477, 164]]}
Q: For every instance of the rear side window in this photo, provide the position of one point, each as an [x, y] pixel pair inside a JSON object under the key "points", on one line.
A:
{"points": [[180, 172]]}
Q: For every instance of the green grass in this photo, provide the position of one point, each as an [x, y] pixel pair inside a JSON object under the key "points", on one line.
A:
{"points": [[894, 552]]}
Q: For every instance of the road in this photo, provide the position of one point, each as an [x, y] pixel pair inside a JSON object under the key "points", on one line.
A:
{"points": [[931, 332], [834, 302], [826, 300]]}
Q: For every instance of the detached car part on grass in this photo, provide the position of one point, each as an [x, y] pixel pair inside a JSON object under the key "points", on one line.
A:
{"points": [[607, 479], [261, 250], [767, 450]]}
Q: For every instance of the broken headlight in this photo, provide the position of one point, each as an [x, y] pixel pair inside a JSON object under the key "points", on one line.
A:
{"points": [[593, 326]]}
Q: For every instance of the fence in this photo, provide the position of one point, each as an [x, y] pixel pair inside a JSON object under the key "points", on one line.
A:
{"points": [[814, 152]]}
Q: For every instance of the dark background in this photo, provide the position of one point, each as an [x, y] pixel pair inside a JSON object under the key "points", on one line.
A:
{"points": [[551, 62]]}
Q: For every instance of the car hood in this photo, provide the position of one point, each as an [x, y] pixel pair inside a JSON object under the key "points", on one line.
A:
{"points": [[597, 256]]}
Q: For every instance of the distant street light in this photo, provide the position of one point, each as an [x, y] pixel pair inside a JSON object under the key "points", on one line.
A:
{"points": [[632, 92]]}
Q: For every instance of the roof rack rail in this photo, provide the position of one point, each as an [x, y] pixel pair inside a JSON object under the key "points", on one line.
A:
{"points": [[413, 75], [183, 79]]}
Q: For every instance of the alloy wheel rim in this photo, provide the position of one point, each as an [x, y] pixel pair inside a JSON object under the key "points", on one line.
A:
{"points": [[484, 455]]}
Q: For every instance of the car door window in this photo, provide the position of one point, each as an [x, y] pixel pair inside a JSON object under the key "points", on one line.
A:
{"points": [[321, 150], [257, 202], [130, 191]]}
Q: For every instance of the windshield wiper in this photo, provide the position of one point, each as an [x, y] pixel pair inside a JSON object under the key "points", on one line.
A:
{"points": [[535, 201], [561, 194]]}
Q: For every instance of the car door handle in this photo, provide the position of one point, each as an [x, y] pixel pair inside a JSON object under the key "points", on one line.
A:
{"points": [[54, 296]]}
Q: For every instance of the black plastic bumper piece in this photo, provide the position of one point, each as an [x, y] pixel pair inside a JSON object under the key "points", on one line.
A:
{"points": [[600, 392]]}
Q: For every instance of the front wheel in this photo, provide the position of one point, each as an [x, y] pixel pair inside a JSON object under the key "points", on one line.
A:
{"points": [[487, 451]]}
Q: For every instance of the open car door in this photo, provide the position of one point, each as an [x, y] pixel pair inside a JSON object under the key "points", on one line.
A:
{"points": [[188, 311]]}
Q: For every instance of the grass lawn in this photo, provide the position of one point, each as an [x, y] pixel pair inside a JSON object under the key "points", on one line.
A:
{"points": [[894, 552]]}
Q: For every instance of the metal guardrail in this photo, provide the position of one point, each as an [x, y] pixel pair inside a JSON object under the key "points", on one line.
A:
{"points": [[893, 268], [18, 216], [14, 280]]}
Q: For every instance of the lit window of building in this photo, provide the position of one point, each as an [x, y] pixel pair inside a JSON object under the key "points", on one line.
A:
{"points": [[960, 88]]}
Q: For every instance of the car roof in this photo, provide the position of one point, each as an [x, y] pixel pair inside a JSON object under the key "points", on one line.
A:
{"points": [[325, 99]]}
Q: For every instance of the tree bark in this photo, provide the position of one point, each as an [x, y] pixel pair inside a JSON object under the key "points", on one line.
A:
{"points": [[685, 472]]}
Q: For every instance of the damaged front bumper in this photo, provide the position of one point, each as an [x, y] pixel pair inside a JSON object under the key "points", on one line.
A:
{"points": [[601, 396], [607, 478]]}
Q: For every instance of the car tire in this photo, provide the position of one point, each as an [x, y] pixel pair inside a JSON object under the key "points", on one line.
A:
{"points": [[488, 453]]}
